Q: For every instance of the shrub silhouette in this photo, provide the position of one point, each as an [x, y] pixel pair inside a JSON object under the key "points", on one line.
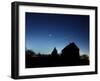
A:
{"points": [[69, 56], [84, 59]]}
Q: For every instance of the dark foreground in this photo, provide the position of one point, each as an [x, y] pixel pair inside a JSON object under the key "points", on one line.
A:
{"points": [[70, 56], [49, 61]]}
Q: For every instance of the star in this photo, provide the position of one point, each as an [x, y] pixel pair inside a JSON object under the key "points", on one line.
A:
{"points": [[50, 35]]}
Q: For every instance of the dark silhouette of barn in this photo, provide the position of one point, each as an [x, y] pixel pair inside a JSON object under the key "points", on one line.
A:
{"points": [[71, 54]]}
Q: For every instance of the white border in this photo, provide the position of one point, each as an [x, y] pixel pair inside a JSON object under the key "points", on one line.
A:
{"points": [[53, 70]]}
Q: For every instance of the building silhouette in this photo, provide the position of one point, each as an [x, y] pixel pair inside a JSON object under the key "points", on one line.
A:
{"points": [[71, 54]]}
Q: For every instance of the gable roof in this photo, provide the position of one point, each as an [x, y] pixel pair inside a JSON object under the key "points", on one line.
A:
{"points": [[71, 46]]}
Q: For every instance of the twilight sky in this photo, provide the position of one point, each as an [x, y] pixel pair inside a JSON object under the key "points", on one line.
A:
{"points": [[45, 31]]}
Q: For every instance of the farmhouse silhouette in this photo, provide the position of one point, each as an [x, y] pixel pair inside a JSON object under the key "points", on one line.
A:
{"points": [[69, 56]]}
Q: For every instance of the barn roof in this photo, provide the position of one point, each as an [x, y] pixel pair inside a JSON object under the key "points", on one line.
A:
{"points": [[71, 46]]}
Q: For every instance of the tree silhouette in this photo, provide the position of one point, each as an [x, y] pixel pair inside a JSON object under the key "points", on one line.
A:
{"points": [[30, 52], [54, 52], [39, 54]]}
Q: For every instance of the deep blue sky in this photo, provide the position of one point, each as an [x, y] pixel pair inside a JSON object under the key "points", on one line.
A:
{"points": [[46, 31]]}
